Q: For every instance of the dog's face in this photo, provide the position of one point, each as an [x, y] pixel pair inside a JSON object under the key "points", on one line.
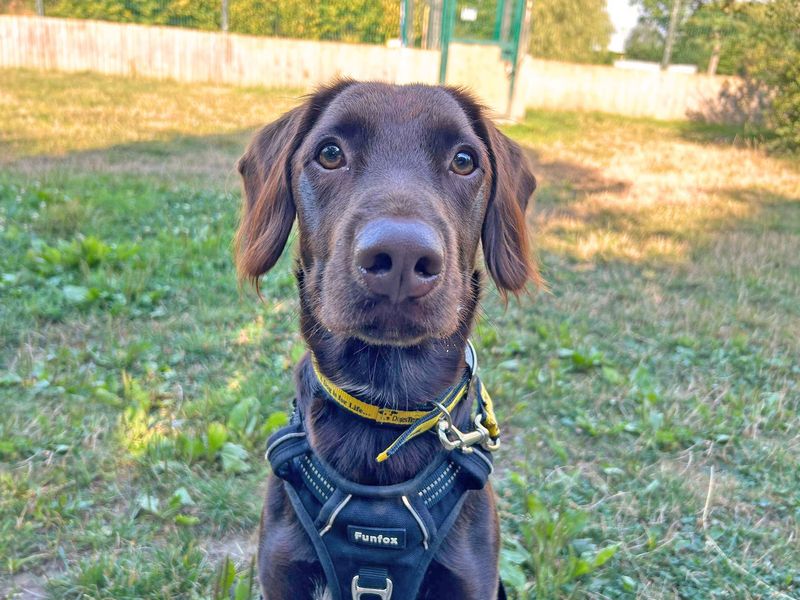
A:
{"points": [[393, 188]]}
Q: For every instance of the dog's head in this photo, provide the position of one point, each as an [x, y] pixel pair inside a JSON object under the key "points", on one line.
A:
{"points": [[394, 188]]}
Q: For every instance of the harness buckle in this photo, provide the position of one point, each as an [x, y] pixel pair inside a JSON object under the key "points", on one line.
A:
{"points": [[464, 441], [358, 591]]}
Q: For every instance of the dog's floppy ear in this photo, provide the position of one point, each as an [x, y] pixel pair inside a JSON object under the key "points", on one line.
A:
{"points": [[268, 209], [505, 237], [506, 245]]}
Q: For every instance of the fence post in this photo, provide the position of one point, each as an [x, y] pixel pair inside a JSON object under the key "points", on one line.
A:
{"points": [[448, 8], [523, 42], [40, 7], [406, 23], [224, 15]]}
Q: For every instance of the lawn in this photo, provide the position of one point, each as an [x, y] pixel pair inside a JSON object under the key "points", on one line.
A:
{"points": [[649, 394]]}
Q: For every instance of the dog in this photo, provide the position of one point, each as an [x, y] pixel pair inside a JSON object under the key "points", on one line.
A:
{"points": [[393, 189]]}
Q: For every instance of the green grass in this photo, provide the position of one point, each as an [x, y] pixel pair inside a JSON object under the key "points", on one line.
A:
{"points": [[138, 385]]}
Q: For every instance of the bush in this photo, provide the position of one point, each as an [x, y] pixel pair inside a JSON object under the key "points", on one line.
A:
{"points": [[346, 20], [774, 62]]}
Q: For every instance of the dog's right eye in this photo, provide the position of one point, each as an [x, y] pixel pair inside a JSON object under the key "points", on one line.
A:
{"points": [[463, 163], [331, 156]]}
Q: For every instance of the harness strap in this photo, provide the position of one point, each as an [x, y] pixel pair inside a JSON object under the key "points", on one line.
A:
{"points": [[372, 581]]}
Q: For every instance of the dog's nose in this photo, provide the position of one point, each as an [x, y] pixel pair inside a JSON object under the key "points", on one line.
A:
{"points": [[399, 258]]}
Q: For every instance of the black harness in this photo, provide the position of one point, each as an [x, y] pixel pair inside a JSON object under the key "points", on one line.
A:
{"points": [[376, 541]]}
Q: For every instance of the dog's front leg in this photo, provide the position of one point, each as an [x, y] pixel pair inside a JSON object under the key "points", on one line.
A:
{"points": [[469, 584], [466, 565], [296, 581], [287, 564]]}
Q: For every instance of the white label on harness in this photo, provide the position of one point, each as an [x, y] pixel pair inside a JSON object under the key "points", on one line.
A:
{"points": [[377, 537]]}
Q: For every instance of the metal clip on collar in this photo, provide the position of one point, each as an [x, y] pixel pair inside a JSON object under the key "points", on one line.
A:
{"points": [[358, 591], [464, 441]]}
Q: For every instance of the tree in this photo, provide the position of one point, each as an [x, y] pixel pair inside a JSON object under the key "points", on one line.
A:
{"points": [[571, 30], [773, 61], [761, 42], [369, 21], [645, 42], [710, 33]]}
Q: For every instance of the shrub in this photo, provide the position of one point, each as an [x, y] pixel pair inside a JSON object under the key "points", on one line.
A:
{"points": [[774, 62]]}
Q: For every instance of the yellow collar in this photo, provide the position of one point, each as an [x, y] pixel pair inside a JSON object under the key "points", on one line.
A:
{"points": [[381, 414], [418, 421]]}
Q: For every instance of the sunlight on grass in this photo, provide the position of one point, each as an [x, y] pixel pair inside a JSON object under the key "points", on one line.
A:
{"points": [[655, 202], [62, 113]]}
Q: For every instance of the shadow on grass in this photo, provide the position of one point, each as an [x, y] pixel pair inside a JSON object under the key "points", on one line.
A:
{"points": [[214, 156], [772, 212], [741, 136], [565, 181], [582, 216], [203, 159]]}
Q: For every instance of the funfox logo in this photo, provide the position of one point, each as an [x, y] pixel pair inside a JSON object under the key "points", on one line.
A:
{"points": [[381, 538]]}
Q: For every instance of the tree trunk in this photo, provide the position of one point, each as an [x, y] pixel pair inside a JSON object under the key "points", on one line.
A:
{"points": [[713, 62], [673, 26]]}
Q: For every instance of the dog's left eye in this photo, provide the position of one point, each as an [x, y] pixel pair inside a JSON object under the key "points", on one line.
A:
{"points": [[331, 156], [463, 163]]}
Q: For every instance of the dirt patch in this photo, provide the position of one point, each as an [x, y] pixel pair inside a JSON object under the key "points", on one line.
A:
{"points": [[25, 586], [239, 548]]}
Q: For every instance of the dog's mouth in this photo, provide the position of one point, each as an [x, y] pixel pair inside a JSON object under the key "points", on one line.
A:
{"points": [[380, 323], [379, 335], [404, 324]]}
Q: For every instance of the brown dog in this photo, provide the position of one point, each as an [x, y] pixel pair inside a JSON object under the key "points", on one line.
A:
{"points": [[393, 189]]}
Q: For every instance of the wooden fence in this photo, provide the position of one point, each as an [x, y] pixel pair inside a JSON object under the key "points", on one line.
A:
{"points": [[660, 95], [202, 56]]}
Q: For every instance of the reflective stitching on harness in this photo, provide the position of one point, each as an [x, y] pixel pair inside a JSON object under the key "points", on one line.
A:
{"points": [[434, 491], [435, 482], [321, 497], [335, 514], [441, 491], [310, 481], [320, 477], [418, 520]]}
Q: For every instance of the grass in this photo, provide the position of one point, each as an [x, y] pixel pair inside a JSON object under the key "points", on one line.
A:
{"points": [[649, 396]]}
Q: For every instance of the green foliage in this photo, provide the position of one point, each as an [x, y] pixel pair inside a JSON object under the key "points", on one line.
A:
{"points": [[704, 28], [758, 41], [233, 584], [200, 14], [570, 30], [174, 572], [773, 61], [365, 21], [549, 551]]}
